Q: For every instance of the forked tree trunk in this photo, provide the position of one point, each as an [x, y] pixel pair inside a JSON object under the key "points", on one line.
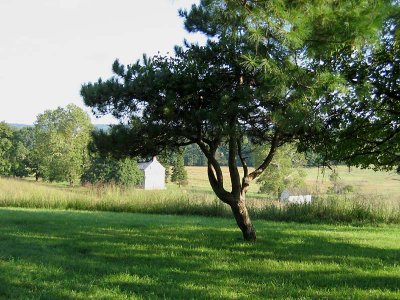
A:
{"points": [[243, 220], [237, 204], [236, 198]]}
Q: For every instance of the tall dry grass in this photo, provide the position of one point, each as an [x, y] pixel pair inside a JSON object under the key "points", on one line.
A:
{"points": [[197, 200], [22, 193]]}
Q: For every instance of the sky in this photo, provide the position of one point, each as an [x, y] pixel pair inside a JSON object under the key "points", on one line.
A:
{"points": [[49, 48]]}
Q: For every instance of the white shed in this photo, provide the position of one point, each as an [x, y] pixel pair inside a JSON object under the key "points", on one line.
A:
{"points": [[293, 196], [154, 175]]}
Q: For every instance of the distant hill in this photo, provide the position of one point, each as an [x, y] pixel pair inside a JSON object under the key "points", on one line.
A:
{"points": [[18, 125], [104, 127]]}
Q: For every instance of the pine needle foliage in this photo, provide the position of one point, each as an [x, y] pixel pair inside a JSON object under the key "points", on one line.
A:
{"points": [[266, 74]]}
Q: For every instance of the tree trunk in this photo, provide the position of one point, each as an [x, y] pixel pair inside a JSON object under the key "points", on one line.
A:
{"points": [[243, 220], [236, 198]]}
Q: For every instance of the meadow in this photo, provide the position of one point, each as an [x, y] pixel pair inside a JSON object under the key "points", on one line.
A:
{"points": [[108, 242], [55, 254], [364, 181], [375, 198]]}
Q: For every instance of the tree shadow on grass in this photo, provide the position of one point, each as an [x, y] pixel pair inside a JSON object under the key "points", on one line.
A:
{"points": [[77, 255]]}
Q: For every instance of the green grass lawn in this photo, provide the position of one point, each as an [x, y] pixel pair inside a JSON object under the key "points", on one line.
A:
{"points": [[77, 255]]}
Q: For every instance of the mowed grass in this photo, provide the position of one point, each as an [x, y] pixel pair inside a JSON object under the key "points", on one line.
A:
{"points": [[100, 255]]}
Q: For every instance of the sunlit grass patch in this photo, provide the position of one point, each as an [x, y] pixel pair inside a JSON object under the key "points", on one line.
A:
{"points": [[65, 254]]}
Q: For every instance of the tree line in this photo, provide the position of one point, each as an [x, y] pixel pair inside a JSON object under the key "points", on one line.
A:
{"points": [[58, 148]]}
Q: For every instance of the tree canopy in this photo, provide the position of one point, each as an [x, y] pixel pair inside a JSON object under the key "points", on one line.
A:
{"points": [[366, 129], [61, 143], [123, 172], [284, 172], [179, 174], [22, 162], [265, 75], [6, 135]]}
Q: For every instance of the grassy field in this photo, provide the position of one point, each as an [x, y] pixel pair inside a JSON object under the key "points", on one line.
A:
{"points": [[27, 193], [368, 182], [376, 198], [64, 254], [100, 255], [374, 193]]}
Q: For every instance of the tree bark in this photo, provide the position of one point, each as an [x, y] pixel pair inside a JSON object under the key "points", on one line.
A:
{"points": [[237, 204], [243, 220], [236, 198]]}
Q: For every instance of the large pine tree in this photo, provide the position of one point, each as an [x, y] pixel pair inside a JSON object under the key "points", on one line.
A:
{"points": [[261, 77]]}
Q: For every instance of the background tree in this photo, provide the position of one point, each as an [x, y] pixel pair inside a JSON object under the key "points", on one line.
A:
{"points": [[284, 172], [257, 78], [20, 156], [193, 156], [179, 174], [6, 137], [108, 170], [61, 143], [128, 172], [167, 159]]}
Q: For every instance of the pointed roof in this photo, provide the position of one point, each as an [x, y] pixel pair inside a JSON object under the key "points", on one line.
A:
{"points": [[143, 165]]}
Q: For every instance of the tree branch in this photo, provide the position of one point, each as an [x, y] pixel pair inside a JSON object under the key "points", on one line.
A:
{"points": [[242, 160], [257, 172], [233, 169], [210, 155], [217, 187], [214, 173], [245, 182]]}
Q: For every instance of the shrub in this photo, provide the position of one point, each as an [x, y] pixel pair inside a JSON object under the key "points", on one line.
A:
{"points": [[108, 170]]}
